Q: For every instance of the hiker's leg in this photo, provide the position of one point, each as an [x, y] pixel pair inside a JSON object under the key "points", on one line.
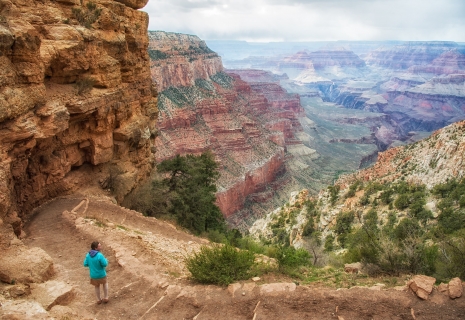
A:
{"points": [[105, 290], [97, 292]]}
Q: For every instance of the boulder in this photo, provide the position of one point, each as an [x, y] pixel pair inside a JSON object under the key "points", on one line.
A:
{"points": [[455, 288], [25, 265], [276, 288], [63, 312], [52, 293], [422, 285], [134, 4], [22, 309], [233, 287], [443, 288], [353, 267]]}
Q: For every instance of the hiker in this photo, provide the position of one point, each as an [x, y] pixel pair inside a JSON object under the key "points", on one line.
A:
{"points": [[96, 262]]}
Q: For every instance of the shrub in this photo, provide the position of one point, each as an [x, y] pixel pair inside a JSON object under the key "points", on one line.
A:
{"points": [[220, 264], [329, 243], [364, 200], [452, 253], [334, 193], [343, 226], [402, 202], [290, 258], [84, 85], [87, 16]]}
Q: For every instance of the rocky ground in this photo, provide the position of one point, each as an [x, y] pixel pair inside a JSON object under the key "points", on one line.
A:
{"points": [[148, 280]]}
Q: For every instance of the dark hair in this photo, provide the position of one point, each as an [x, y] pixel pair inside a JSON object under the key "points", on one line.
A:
{"points": [[94, 245]]}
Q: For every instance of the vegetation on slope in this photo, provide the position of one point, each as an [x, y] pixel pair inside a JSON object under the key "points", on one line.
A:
{"points": [[394, 226], [386, 217]]}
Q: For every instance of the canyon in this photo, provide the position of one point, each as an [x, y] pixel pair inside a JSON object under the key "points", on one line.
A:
{"points": [[328, 111], [248, 126], [394, 92], [90, 101], [78, 107]]}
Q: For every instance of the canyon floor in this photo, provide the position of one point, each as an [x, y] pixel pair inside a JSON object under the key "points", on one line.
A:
{"points": [[148, 280]]}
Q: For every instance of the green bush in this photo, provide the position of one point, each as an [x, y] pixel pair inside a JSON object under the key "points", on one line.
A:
{"points": [[220, 264], [290, 258], [402, 202], [343, 226], [329, 243], [334, 193], [452, 257]]}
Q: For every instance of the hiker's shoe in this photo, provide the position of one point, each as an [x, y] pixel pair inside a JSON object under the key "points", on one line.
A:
{"points": [[105, 300], [99, 301]]}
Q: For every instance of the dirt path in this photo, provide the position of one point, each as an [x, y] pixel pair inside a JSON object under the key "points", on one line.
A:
{"points": [[147, 278]]}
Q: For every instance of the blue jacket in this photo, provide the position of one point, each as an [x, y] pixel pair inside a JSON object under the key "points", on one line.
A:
{"points": [[96, 263]]}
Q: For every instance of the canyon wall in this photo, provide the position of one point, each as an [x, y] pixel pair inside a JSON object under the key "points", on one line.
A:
{"points": [[406, 55], [247, 126], [77, 104]]}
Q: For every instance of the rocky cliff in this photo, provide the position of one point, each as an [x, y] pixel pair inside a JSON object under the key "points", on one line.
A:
{"points": [[409, 54], [247, 126], [429, 162], [77, 104]]}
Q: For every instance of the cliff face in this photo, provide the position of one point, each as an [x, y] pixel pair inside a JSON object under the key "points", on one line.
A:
{"points": [[409, 54], [430, 161], [450, 62], [180, 65], [247, 126], [75, 96]]}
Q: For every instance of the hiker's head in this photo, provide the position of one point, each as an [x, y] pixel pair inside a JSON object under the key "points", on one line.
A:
{"points": [[94, 245]]}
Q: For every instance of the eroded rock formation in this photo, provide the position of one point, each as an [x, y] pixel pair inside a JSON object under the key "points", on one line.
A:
{"points": [[247, 126], [410, 54], [76, 100]]}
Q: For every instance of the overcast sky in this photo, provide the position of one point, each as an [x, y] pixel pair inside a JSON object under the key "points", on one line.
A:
{"points": [[311, 20]]}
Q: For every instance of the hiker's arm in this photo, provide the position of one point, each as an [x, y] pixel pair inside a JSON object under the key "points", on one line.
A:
{"points": [[103, 261], [85, 264]]}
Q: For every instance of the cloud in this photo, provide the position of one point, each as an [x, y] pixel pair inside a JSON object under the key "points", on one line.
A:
{"points": [[311, 20]]}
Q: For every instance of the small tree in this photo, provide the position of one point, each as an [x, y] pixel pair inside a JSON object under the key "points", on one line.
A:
{"points": [[220, 264]]}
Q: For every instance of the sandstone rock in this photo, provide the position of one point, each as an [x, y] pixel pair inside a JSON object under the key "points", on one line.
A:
{"points": [[69, 1], [422, 285], [353, 267], [443, 288], [455, 288], [18, 291], [44, 122], [25, 265], [277, 288], [22, 309], [63, 312], [134, 4], [377, 287], [52, 293], [233, 287]]}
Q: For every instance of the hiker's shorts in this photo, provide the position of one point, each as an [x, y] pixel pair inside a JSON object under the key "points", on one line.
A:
{"points": [[97, 282]]}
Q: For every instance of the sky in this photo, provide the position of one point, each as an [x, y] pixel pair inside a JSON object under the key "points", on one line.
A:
{"points": [[311, 20]]}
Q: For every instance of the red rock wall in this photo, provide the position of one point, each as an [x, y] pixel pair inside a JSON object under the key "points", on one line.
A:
{"points": [[189, 60], [246, 126], [233, 198], [53, 139]]}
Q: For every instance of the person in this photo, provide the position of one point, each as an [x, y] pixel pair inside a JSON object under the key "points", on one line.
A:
{"points": [[96, 262]]}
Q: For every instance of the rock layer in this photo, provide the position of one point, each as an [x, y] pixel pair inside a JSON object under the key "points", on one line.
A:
{"points": [[76, 95], [247, 126]]}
